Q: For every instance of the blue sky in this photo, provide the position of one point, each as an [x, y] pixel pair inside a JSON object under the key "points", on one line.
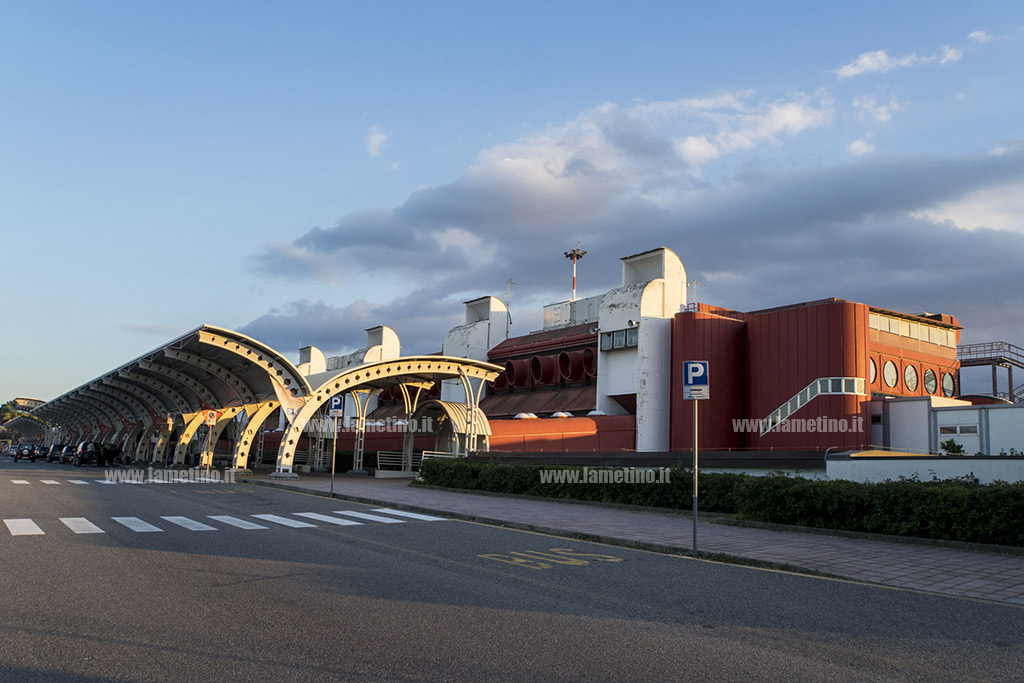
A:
{"points": [[301, 171]]}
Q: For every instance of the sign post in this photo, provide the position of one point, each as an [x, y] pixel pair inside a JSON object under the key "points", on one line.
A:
{"points": [[695, 388], [335, 409]]}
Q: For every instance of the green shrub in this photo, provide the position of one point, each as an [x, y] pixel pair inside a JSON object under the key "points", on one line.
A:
{"points": [[958, 509]]}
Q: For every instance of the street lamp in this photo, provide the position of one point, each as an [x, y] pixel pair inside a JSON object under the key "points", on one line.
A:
{"points": [[575, 254]]}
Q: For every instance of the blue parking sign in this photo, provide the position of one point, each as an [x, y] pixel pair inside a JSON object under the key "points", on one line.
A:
{"points": [[336, 407], [695, 380]]}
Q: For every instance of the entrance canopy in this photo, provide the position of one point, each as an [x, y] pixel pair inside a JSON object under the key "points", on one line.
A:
{"points": [[207, 369]]}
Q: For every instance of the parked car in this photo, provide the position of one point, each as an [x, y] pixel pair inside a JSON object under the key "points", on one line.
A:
{"points": [[67, 454], [26, 451], [54, 454], [95, 453]]}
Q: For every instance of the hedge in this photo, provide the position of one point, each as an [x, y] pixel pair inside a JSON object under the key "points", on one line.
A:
{"points": [[956, 510]]}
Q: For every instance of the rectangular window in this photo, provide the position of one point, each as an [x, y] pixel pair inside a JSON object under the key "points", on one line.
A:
{"points": [[619, 339], [951, 338], [968, 429], [873, 321], [915, 331], [947, 430], [606, 341], [849, 387], [632, 335], [837, 385], [904, 328]]}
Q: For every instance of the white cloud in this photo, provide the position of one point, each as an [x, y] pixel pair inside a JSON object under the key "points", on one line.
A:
{"points": [[1000, 207], [879, 61], [376, 139], [950, 54], [979, 37], [867, 106], [860, 147]]}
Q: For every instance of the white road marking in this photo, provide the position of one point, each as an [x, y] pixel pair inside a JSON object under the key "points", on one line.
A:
{"points": [[328, 518], [294, 523], [372, 518], [77, 481], [23, 527], [411, 515], [104, 481], [190, 524], [80, 525], [49, 481], [19, 481], [136, 524], [240, 523]]}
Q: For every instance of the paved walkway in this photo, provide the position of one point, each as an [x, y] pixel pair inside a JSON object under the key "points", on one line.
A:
{"points": [[972, 573]]}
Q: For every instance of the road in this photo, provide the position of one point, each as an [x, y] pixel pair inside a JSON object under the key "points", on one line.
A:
{"points": [[195, 582]]}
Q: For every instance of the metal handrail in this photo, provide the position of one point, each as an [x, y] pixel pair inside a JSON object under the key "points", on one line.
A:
{"points": [[991, 351]]}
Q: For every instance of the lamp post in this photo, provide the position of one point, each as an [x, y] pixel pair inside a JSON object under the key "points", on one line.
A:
{"points": [[575, 254]]}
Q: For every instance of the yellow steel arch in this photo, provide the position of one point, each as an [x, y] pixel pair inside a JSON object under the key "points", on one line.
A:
{"points": [[418, 371]]}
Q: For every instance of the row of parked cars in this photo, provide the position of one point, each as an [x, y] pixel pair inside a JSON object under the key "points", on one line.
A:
{"points": [[85, 453]]}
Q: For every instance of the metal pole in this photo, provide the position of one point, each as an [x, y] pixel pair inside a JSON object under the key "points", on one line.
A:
{"points": [[695, 477], [334, 452], [574, 278]]}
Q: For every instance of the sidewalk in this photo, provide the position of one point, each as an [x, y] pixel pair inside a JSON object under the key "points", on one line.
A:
{"points": [[972, 573]]}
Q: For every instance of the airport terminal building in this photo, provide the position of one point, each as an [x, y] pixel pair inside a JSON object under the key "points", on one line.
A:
{"points": [[603, 375]]}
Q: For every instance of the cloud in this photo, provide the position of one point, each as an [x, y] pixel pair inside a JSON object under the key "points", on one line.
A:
{"points": [[902, 232], [560, 181], [376, 139], [860, 148], [879, 61], [419, 319], [867, 106], [979, 37]]}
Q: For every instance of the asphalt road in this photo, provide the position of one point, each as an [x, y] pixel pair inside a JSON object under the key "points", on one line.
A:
{"points": [[197, 582]]}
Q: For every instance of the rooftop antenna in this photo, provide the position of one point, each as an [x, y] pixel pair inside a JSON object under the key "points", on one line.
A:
{"points": [[508, 291], [575, 254], [693, 283]]}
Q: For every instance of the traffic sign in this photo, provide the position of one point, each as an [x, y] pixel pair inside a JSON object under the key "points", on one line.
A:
{"points": [[336, 407], [695, 380]]}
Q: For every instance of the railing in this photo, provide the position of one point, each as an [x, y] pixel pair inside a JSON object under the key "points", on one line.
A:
{"points": [[396, 460], [437, 454], [989, 352]]}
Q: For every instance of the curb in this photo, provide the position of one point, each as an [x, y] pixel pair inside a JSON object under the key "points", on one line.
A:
{"points": [[648, 546], [726, 519], [710, 517]]}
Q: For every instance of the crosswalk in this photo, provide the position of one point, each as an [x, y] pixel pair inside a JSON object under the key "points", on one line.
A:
{"points": [[86, 482], [81, 525]]}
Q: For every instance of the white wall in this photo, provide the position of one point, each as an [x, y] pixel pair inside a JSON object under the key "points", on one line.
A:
{"points": [[1005, 428], [487, 325], [986, 470]]}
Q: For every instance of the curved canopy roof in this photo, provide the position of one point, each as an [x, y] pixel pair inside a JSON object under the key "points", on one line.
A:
{"points": [[207, 368]]}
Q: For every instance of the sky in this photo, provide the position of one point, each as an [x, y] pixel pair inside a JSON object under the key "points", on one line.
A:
{"points": [[302, 171]]}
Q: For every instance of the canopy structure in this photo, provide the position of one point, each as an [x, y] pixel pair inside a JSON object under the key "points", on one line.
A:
{"points": [[413, 376], [205, 377], [199, 383]]}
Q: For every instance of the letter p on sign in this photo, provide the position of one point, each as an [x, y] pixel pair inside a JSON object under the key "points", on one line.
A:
{"points": [[695, 380]]}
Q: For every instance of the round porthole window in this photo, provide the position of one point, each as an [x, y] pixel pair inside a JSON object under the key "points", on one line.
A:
{"points": [[889, 374], [931, 382], [948, 386], [910, 377], [874, 370]]}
